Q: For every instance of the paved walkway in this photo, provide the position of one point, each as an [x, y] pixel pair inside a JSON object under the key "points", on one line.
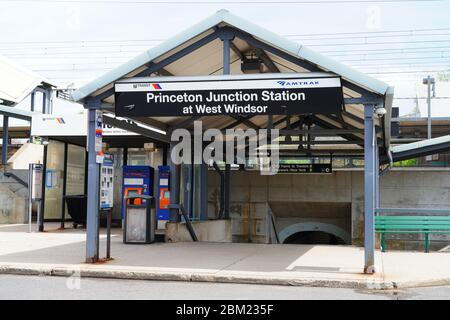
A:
{"points": [[62, 252]]}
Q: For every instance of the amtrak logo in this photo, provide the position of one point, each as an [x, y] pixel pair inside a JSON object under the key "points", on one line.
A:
{"points": [[297, 83], [129, 107]]}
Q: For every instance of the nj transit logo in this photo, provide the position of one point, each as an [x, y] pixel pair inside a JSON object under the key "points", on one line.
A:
{"points": [[154, 86], [57, 119]]}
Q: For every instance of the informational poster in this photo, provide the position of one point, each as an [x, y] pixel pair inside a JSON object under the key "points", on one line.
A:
{"points": [[98, 130], [305, 168], [51, 179], [229, 95], [36, 181], [107, 182]]}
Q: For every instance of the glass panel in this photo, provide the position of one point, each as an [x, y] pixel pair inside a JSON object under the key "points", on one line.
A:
{"points": [[118, 168], [138, 157], [76, 156], [54, 179], [75, 170]]}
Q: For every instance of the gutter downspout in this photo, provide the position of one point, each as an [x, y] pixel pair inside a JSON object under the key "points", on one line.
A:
{"points": [[390, 164]]}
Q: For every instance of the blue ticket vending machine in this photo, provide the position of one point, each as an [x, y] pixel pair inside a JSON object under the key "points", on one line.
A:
{"points": [[136, 180], [163, 195]]}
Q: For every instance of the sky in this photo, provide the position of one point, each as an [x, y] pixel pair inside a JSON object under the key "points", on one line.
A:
{"points": [[397, 41]]}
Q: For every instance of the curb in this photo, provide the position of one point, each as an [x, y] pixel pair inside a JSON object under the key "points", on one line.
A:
{"points": [[69, 271], [60, 271], [422, 283]]}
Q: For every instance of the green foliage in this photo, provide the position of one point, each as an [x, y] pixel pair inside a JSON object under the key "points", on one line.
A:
{"points": [[407, 163], [443, 76]]}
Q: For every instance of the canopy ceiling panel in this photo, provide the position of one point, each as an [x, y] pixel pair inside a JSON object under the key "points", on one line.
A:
{"points": [[200, 62], [207, 59], [285, 64], [183, 45]]}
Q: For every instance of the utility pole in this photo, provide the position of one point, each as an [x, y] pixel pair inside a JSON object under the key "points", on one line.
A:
{"points": [[429, 82]]}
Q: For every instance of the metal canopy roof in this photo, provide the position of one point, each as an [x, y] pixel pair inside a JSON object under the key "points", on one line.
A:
{"points": [[16, 82], [198, 51], [421, 148], [17, 113]]}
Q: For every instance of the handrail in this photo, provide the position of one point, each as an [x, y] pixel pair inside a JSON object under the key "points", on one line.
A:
{"points": [[186, 218], [18, 179], [422, 211], [272, 220]]}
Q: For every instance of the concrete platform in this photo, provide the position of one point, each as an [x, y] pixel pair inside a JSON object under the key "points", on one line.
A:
{"points": [[61, 253]]}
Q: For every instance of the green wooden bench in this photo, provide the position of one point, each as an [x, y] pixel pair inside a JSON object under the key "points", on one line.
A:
{"points": [[411, 224]]}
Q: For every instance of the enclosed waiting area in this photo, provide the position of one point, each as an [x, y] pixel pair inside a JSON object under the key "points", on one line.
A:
{"points": [[314, 178]]}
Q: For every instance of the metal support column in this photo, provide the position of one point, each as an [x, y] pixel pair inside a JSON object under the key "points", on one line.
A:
{"points": [[174, 187], [203, 191], [226, 56], [63, 206], [92, 220], [369, 189], [41, 212], [164, 156], [44, 101], [47, 104], [5, 140], [227, 191], [377, 177], [86, 169], [226, 39], [125, 156], [33, 96]]}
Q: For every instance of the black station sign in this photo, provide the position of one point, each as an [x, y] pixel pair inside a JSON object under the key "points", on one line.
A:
{"points": [[210, 97], [305, 168]]}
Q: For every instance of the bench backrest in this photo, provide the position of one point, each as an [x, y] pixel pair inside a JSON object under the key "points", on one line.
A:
{"points": [[412, 223]]}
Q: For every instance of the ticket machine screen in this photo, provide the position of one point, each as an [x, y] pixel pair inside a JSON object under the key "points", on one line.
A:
{"points": [[162, 209]]}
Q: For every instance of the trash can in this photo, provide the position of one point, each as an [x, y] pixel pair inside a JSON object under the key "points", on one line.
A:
{"points": [[77, 209], [139, 220]]}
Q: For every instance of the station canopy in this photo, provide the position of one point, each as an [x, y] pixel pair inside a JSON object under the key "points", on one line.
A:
{"points": [[198, 51], [17, 82]]}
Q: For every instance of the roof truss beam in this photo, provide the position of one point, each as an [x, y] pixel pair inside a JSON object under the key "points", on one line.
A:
{"points": [[266, 60], [125, 125], [154, 67], [264, 46], [246, 121]]}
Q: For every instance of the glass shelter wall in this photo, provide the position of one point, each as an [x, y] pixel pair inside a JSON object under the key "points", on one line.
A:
{"points": [[54, 180]]}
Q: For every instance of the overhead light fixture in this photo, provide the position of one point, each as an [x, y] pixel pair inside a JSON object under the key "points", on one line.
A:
{"points": [[251, 65]]}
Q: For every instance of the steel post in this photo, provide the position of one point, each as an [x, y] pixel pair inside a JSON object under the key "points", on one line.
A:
{"points": [[33, 96], [92, 219], [30, 193], [41, 203], [44, 102], [226, 194], [108, 233], [5, 140], [377, 177], [369, 189], [226, 56], [64, 188], [429, 107], [203, 191], [226, 176], [174, 187]]}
